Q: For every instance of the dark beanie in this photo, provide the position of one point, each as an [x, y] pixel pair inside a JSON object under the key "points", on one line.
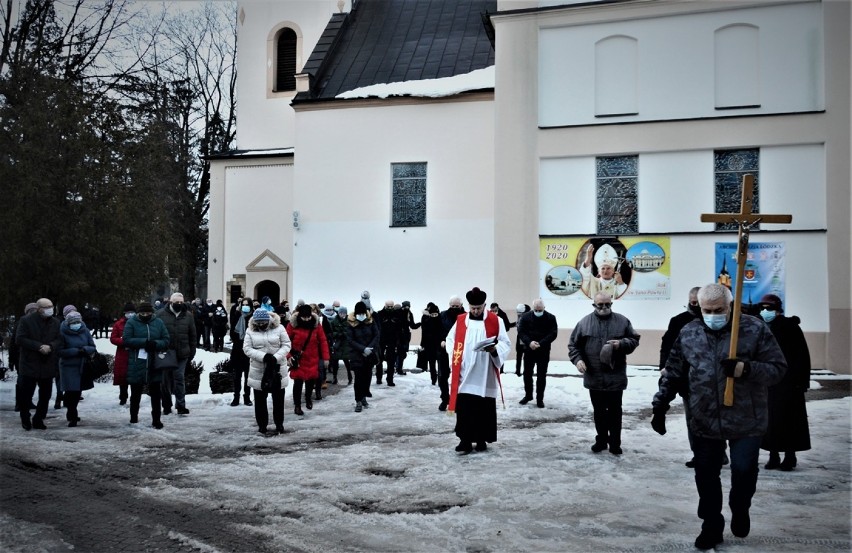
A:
{"points": [[360, 308], [304, 310], [432, 308], [773, 301], [129, 306], [475, 297], [145, 307]]}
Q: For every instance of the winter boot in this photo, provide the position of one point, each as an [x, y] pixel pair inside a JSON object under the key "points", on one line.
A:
{"points": [[774, 461], [247, 400], [236, 401], [789, 462]]}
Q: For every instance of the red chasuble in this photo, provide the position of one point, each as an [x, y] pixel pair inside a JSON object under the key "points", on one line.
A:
{"points": [[492, 329]]}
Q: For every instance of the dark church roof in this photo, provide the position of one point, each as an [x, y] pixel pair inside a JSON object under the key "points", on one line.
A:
{"points": [[388, 41]]}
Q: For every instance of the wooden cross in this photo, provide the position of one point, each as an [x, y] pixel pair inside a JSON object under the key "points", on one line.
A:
{"points": [[745, 219]]}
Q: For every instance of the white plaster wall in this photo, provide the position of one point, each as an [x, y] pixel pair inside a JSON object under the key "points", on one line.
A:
{"points": [[676, 61], [674, 189], [345, 244], [566, 202], [262, 121], [258, 202]]}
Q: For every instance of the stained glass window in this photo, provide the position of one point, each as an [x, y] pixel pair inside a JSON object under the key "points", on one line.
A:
{"points": [[408, 195], [729, 167], [618, 189]]}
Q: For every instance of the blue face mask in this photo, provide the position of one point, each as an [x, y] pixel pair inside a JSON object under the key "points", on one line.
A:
{"points": [[715, 321], [538, 313], [245, 308], [129, 315], [75, 326], [767, 315]]}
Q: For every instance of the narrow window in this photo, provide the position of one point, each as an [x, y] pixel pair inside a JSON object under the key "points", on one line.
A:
{"points": [[737, 67], [729, 167], [285, 61], [408, 195], [617, 195]]}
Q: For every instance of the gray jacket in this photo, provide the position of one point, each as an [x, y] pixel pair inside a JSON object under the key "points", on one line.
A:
{"points": [[589, 336], [695, 361]]}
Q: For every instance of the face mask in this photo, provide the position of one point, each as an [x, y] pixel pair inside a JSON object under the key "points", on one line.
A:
{"points": [[209, 303], [361, 318], [336, 309], [694, 309], [538, 313], [245, 308], [603, 312], [331, 315], [177, 307], [262, 326], [144, 317], [715, 321], [129, 315], [75, 326], [767, 315], [47, 312]]}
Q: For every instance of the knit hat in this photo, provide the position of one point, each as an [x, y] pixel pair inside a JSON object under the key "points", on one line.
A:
{"points": [[521, 308], [772, 301], [432, 308], [145, 307], [328, 311], [68, 309], [360, 308], [30, 307], [342, 311], [406, 303], [129, 306], [260, 315], [304, 311], [365, 294], [73, 317], [475, 297]]}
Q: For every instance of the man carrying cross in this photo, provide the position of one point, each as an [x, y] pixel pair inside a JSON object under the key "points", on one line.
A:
{"points": [[477, 346]]}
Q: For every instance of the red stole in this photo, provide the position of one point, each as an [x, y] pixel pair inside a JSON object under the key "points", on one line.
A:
{"points": [[492, 329]]}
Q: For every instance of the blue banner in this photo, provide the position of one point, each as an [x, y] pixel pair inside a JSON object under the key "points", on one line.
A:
{"points": [[764, 269]]}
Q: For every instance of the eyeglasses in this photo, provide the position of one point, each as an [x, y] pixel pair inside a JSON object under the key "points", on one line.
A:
{"points": [[602, 305]]}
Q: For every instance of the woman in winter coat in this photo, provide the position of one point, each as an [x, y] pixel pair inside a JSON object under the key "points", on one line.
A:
{"points": [[239, 363], [144, 336], [431, 335], [362, 336], [220, 327], [77, 345], [788, 417], [119, 373], [266, 345], [311, 347]]}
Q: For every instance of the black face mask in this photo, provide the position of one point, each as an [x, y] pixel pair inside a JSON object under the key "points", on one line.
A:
{"points": [[144, 317], [694, 309], [262, 326]]}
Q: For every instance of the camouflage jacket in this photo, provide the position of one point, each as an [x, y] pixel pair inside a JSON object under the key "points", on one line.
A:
{"points": [[695, 362]]}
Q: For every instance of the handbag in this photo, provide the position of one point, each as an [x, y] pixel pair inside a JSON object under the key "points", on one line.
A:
{"points": [[95, 366], [296, 356], [165, 360]]}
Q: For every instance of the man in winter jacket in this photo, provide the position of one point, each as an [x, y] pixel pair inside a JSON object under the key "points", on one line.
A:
{"points": [[390, 327], [599, 347], [699, 360], [39, 339], [536, 331], [181, 327]]}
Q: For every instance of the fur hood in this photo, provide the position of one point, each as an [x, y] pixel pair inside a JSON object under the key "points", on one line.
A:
{"points": [[296, 323], [355, 322], [274, 321]]}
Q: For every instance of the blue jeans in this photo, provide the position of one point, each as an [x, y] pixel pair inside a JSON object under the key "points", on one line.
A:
{"points": [[708, 466], [174, 383]]}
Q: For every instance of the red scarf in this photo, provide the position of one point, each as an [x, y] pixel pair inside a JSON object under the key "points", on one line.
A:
{"points": [[492, 329]]}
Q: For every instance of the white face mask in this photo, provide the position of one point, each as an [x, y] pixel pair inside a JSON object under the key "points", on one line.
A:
{"points": [[538, 313], [129, 315], [361, 318], [47, 312]]}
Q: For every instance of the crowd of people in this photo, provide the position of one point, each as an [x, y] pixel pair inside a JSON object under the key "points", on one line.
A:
{"points": [[464, 352]]}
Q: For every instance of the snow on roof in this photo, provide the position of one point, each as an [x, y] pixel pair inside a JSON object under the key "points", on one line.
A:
{"points": [[429, 88]]}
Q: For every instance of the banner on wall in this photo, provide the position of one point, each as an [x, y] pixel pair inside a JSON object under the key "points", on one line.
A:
{"points": [[633, 267], [764, 270]]}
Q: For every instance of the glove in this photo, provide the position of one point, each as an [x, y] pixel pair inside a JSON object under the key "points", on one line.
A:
{"points": [[269, 358], [658, 421], [367, 352], [150, 346], [736, 368]]}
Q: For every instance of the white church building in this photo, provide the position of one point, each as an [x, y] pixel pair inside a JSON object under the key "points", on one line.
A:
{"points": [[416, 149]]}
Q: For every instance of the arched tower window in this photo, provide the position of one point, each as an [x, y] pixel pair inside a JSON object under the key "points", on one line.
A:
{"points": [[285, 60]]}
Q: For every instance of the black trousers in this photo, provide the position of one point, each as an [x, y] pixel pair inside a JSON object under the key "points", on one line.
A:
{"points": [[261, 412], [26, 388], [71, 400], [389, 357], [297, 390], [444, 375], [607, 407], [136, 398], [363, 375], [532, 358]]}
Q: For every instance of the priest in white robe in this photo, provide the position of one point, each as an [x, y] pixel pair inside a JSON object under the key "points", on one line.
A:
{"points": [[477, 345]]}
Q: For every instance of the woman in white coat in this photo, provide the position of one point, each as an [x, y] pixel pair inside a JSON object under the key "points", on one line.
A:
{"points": [[266, 345]]}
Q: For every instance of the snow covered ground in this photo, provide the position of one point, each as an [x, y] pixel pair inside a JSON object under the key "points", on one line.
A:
{"points": [[387, 479]]}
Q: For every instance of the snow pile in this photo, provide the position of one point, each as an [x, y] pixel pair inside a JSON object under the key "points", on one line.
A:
{"points": [[429, 88]]}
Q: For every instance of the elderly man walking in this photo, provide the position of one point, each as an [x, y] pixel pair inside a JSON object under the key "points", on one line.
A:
{"points": [[699, 361], [39, 339], [536, 331], [181, 328], [599, 347]]}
